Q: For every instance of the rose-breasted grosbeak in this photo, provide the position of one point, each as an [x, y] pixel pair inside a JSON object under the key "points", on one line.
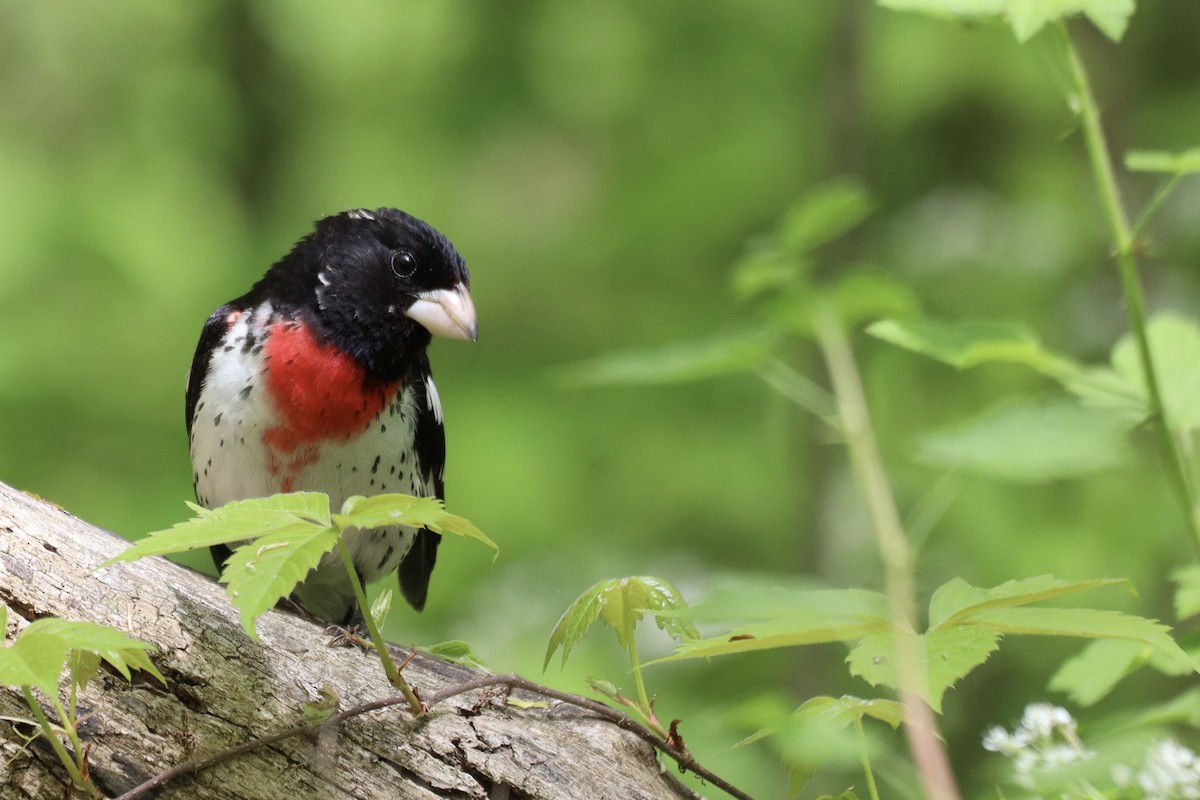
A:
{"points": [[317, 379]]}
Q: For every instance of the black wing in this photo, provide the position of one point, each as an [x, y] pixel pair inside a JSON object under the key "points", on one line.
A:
{"points": [[210, 337], [429, 446]]}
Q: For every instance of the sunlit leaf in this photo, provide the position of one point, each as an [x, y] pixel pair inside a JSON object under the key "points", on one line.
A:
{"points": [[1183, 163], [679, 363], [969, 344], [1031, 442], [34, 660], [259, 574], [234, 522]]}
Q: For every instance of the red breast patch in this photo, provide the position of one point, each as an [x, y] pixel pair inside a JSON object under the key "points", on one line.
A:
{"points": [[319, 393]]}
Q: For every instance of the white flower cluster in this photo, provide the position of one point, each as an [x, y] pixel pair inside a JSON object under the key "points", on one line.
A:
{"points": [[1171, 772], [1046, 739]]}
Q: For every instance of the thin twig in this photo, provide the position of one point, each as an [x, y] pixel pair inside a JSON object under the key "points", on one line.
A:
{"points": [[683, 758]]}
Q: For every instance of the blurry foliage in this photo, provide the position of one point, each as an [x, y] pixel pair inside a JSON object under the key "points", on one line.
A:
{"points": [[601, 164]]}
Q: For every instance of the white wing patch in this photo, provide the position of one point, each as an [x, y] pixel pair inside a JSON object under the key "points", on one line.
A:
{"points": [[431, 397], [360, 213]]}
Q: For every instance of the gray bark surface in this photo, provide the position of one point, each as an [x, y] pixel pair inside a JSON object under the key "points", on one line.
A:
{"points": [[225, 689]]}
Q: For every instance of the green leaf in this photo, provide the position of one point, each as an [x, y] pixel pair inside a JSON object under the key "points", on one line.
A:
{"points": [[824, 214], [956, 600], [33, 660], [679, 363], [234, 522], [1089, 623], [765, 271], [401, 509], [456, 651], [1031, 442], [381, 607], [947, 655], [969, 344], [1028, 17], [798, 629], [1090, 675], [1175, 345], [1184, 163], [620, 603], [40, 652], [266, 570], [1187, 595], [847, 709]]}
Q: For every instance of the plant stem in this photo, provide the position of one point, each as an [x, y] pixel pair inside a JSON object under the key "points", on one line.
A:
{"points": [[56, 743], [643, 698], [872, 790], [389, 664], [920, 727], [1123, 238]]}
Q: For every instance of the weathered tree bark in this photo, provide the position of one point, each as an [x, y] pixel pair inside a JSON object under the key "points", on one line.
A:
{"points": [[225, 689]]}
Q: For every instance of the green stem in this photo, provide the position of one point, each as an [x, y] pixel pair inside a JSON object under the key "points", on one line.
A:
{"points": [[928, 749], [866, 759], [643, 697], [56, 743], [389, 664], [1127, 265]]}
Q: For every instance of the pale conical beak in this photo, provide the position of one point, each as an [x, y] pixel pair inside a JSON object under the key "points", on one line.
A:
{"points": [[446, 312]]}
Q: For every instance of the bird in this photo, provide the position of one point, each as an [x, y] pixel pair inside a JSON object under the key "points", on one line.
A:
{"points": [[317, 379]]}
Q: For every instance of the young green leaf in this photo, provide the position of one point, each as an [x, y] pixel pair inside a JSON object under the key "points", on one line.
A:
{"points": [[33, 660], [259, 574], [234, 522], [455, 651], [1031, 442], [969, 344], [620, 603], [381, 607], [1184, 163]]}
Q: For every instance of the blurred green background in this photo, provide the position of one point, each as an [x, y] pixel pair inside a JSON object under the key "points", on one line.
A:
{"points": [[600, 164]]}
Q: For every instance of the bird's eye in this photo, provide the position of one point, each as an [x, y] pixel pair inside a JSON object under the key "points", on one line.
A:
{"points": [[404, 264]]}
